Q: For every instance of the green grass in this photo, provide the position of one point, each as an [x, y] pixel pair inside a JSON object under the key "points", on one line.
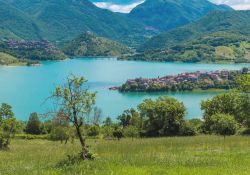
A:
{"points": [[9, 60], [191, 155]]}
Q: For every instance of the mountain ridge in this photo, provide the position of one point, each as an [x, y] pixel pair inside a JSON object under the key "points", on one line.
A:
{"points": [[165, 15]]}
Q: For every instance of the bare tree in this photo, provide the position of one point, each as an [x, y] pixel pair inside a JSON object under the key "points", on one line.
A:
{"points": [[97, 116], [76, 102]]}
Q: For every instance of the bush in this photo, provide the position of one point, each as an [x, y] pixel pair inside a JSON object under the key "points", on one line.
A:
{"points": [[233, 103], [197, 124], [93, 131], [163, 117], [8, 125], [131, 131], [31, 137], [117, 133], [187, 129], [107, 131], [33, 125], [60, 133], [223, 124], [245, 131]]}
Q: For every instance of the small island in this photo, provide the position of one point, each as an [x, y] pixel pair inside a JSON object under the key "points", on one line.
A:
{"points": [[223, 79]]}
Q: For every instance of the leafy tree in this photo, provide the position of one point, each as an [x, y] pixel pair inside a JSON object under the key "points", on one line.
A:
{"points": [[97, 116], [130, 117], [8, 125], [76, 102], [131, 131], [107, 131], [46, 127], [244, 83], [108, 122], [163, 117], [6, 111], [60, 133], [117, 133], [33, 125], [223, 124], [232, 103], [60, 128]]}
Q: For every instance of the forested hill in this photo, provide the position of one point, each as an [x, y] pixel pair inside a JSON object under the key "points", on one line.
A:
{"points": [[163, 15], [14, 23], [88, 44], [218, 37], [236, 22], [64, 20]]}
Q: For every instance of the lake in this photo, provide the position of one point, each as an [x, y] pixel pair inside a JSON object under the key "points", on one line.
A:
{"points": [[26, 88]]}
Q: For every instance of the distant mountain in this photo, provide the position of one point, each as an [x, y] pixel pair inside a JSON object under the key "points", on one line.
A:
{"points": [[220, 36], [88, 44], [14, 23], [163, 15], [65, 19], [237, 22]]}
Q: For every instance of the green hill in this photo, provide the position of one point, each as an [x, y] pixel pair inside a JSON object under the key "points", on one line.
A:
{"points": [[217, 47], [89, 44], [31, 51], [9, 60], [66, 19], [163, 15], [236, 22], [16, 24], [218, 37]]}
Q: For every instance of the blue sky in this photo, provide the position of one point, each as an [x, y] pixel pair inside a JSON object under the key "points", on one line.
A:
{"points": [[127, 5]]}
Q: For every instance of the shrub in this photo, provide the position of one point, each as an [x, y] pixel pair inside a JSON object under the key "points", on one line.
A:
{"points": [[8, 125], [31, 137], [163, 117], [223, 124], [60, 133], [187, 129], [93, 131], [117, 133], [245, 131], [131, 131], [33, 125]]}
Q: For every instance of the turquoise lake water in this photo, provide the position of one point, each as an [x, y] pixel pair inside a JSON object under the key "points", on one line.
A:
{"points": [[26, 88]]}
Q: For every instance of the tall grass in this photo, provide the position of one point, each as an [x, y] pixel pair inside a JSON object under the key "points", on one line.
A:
{"points": [[188, 156]]}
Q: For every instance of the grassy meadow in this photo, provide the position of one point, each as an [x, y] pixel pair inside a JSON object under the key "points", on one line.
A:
{"points": [[178, 155]]}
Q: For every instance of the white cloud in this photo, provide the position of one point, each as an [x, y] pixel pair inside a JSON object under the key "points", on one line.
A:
{"points": [[126, 8], [123, 8], [236, 4]]}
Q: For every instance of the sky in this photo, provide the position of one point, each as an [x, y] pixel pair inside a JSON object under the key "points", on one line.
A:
{"points": [[125, 6]]}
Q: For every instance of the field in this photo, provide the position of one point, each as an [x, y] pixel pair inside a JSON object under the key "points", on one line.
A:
{"points": [[190, 156]]}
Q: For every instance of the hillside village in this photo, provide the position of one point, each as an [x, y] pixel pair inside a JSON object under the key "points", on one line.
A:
{"points": [[220, 79]]}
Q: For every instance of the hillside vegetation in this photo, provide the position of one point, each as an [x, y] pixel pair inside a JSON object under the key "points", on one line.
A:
{"points": [[9, 60], [236, 22], [14, 23], [163, 15], [221, 47], [218, 37], [65, 19], [31, 51], [88, 44]]}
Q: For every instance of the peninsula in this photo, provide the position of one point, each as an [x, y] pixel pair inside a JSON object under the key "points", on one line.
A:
{"points": [[223, 79]]}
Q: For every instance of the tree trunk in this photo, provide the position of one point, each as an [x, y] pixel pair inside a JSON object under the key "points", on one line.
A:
{"points": [[84, 153]]}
